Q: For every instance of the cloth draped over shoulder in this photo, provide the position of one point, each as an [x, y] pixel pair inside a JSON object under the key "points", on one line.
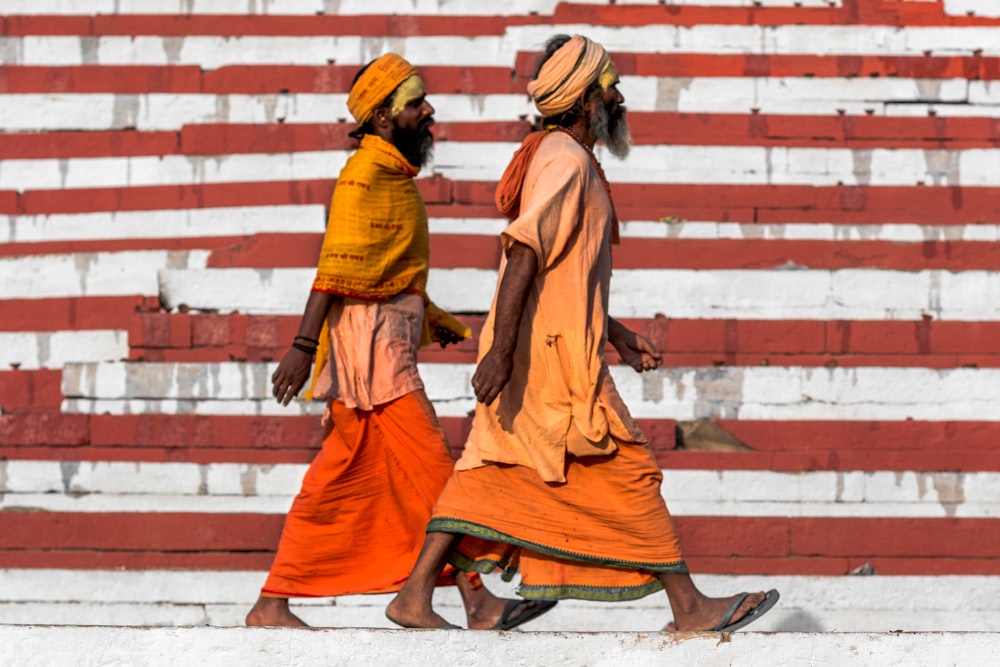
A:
{"points": [[377, 243]]}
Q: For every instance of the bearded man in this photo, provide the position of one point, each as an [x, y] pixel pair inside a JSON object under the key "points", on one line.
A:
{"points": [[358, 522], [557, 480]]}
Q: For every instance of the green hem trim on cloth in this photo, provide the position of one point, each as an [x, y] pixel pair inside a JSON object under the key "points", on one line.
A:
{"points": [[592, 593], [453, 525]]}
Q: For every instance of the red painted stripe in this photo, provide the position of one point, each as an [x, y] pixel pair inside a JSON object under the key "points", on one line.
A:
{"points": [[56, 314], [776, 445], [648, 128], [866, 12], [30, 391], [457, 251], [967, 545], [729, 203]]}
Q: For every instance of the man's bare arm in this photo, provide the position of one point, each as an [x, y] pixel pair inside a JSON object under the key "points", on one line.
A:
{"points": [[494, 369], [635, 350], [293, 370]]}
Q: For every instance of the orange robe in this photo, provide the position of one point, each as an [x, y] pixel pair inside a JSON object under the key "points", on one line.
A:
{"points": [[556, 478], [358, 522]]}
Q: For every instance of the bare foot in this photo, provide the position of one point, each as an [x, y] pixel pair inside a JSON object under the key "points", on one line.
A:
{"points": [[407, 614], [273, 612], [710, 612]]}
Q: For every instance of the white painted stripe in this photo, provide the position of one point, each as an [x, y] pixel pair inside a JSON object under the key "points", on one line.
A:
{"points": [[211, 52], [30, 350], [768, 294], [161, 224], [740, 165], [839, 593], [834, 604], [269, 489], [985, 8], [840, 233], [311, 218], [91, 274], [352, 7], [732, 392], [779, 95]]}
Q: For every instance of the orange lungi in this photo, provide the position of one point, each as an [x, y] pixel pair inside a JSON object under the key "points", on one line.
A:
{"points": [[604, 534], [358, 523]]}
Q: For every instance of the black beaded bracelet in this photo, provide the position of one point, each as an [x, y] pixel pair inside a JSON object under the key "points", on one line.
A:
{"points": [[304, 348], [307, 339]]}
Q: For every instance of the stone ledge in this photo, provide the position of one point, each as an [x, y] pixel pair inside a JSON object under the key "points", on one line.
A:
{"points": [[50, 645]]}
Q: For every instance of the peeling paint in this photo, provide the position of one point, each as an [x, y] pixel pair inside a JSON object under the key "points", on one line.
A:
{"points": [[89, 47], [862, 166], [669, 91], [69, 470], [719, 392], [83, 261], [3, 476], [125, 111], [950, 487], [172, 48], [203, 480], [248, 480]]}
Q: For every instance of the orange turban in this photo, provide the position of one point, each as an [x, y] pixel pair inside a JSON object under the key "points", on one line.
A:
{"points": [[377, 83], [566, 74]]}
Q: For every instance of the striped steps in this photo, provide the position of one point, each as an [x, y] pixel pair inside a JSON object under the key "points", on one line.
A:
{"points": [[222, 598]]}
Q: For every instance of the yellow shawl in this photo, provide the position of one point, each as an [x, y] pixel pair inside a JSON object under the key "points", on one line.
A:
{"points": [[377, 242]]}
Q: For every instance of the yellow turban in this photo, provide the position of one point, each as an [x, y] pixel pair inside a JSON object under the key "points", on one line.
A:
{"points": [[566, 74], [377, 83]]}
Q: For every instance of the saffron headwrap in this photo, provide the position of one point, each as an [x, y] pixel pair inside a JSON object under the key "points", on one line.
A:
{"points": [[566, 75], [376, 83]]}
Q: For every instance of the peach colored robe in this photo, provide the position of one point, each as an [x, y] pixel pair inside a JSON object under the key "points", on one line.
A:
{"points": [[560, 397]]}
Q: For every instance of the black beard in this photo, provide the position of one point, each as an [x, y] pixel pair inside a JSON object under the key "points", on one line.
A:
{"points": [[611, 129], [415, 145]]}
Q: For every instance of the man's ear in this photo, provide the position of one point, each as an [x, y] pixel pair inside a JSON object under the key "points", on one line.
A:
{"points": [[381, 118]]}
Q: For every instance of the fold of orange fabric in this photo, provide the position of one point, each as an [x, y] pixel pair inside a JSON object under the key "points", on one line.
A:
{"points": [[508, 193], [377, 242], [358, 523], [604, 535], [376, 83]]}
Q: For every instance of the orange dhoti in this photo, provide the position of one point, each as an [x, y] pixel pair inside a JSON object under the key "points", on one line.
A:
{"points": [[358, 523], [604, 534]]}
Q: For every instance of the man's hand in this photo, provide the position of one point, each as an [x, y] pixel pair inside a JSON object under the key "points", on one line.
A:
{"points": [[445, 336], [491, 375], [291, 374], [635, 350]]}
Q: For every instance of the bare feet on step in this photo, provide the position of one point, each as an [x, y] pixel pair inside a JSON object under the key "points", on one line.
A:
{"points": [[273, 612]]}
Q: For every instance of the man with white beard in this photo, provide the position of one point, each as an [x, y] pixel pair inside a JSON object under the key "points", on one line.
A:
{"points": [[556, 480]]}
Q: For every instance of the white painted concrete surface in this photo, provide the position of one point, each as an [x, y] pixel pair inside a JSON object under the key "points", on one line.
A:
{"points": [[222, 598], [103, 486], [31, 350], [760, 294], [732, 392], [41, 645]]}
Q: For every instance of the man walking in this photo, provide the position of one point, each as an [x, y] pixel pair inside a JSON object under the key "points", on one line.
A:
{"points": [[556, 479], [358, 522]]}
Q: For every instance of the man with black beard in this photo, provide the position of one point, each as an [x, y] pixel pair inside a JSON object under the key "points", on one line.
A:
{"points": [[556, 480], [358, 522]]}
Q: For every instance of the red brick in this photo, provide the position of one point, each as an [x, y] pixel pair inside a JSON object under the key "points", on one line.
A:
{"points": [[46, 429], [210, 330], [895, 537], [30, 391], [161, 330], [734, 536]]}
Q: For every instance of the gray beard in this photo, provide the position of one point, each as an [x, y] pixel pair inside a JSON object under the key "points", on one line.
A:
{"points": [[613, 133]]}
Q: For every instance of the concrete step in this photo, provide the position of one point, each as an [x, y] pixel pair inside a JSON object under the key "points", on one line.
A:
{"points": [[27, 646], [200, 598]]}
